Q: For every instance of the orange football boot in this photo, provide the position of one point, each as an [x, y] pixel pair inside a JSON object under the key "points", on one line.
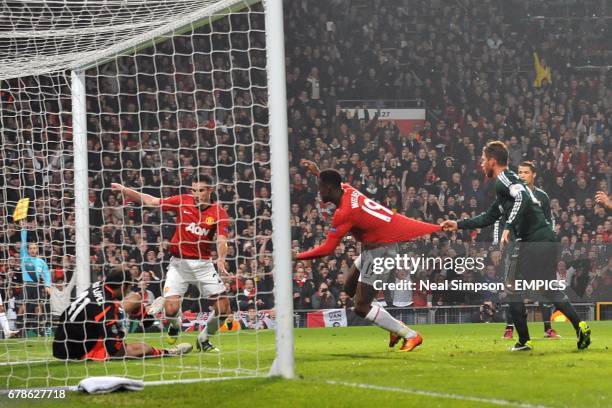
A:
{"points": [[412, 343], [393, 339]]}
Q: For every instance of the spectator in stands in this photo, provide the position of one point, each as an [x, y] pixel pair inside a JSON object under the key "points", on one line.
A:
{"points": [[344, 301], [252, 321], [488, 313], [603, 289], [323, 298], [303, 289], [248, 297]]}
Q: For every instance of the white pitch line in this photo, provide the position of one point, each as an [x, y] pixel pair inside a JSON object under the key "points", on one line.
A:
{"points": [[18, 363], [414, 391], [208, 370], [197, 380]]}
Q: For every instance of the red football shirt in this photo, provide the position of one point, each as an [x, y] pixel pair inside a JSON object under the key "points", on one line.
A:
{"points": [[369, 222], [195, 230]]}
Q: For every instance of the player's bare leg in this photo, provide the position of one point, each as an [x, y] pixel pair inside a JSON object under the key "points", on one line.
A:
{"points": [[381, 318], [21, 319], [221, 309], [140, 350], [172, 307], [350, 281]]}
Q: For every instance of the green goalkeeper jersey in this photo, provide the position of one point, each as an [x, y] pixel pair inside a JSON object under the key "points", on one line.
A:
{"points": [[519, 206]]}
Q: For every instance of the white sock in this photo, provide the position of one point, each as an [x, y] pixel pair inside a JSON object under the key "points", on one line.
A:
{"points": [[212, 325], [175, 321], [4, 323], [382, 318]]}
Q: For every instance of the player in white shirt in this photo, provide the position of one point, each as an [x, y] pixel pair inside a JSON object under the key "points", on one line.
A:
{"points": [[4, 323]]}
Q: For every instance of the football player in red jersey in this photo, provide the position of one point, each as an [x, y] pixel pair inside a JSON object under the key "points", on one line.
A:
{"points": [[199, 222], [379, 230]]}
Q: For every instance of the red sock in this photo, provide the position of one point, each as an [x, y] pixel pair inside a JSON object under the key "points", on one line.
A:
{"points": [[155, 352]]}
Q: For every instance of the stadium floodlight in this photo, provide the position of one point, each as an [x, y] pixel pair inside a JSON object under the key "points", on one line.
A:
{"points": [[147, 94]]}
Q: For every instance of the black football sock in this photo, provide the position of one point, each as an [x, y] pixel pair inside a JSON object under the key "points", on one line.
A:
{"points": [[509, 322], [546, 317], [568, 310], [519, 316]]}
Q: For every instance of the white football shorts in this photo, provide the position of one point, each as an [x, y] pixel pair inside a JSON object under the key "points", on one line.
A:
{"points": [[199, 272], [372, 269]]}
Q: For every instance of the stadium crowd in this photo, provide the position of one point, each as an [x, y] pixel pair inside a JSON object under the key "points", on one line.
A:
{"points": [[473, 66], [188, 105]]}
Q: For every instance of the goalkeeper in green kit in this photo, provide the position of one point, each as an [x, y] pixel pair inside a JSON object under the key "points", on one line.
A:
{"points": [[535, 254]]}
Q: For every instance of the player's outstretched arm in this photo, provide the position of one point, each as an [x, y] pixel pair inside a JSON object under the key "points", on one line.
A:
{"points": [[23, 245], [328, 246], [134, 195], [482, 220], [132, 303], [325, 249], [449, 225], [311, 166]]}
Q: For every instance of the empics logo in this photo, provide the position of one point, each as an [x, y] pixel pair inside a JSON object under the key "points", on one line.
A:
{"points": [[539, 284]]}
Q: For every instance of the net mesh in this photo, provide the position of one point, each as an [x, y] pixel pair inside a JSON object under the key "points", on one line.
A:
{"points": [[191, 102], [43, 37]]}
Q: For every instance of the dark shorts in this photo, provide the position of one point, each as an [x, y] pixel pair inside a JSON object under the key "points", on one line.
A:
{"points": [[102, 349], [533, 262], [32, 295]]}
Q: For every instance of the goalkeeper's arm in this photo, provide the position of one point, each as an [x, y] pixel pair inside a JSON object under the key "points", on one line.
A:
{"points": [[139, 198], [135, 308]]}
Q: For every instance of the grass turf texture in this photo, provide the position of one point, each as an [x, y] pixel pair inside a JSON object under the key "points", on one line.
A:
{"points": [[468, 363]]}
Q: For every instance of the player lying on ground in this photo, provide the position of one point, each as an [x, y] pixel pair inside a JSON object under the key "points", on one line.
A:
{"points": [[90, 329], [198, 221], [534, 257], [527, 173], [379, 230]]}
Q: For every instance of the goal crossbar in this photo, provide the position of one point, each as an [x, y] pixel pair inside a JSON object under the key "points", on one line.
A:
{"points": [[82, 60]]}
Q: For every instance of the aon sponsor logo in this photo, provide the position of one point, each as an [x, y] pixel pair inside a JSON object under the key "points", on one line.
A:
{"points": [[197, 230]]}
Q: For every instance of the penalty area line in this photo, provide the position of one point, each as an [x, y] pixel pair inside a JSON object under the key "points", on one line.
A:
{"points": [[434, 394]]}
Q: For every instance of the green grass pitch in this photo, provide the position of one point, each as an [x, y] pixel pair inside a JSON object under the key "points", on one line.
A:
{"points": [[457, 366]]}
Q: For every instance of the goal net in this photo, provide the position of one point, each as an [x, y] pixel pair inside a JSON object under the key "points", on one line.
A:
{"points": [[150, 95]]}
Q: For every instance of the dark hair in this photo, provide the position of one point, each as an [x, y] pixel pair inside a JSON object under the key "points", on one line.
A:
{"points": [[331, 177], [496, 150], [116, 279], [529, 164], [202, 178]]}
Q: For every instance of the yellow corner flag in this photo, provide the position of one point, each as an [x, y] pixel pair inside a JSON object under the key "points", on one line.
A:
{"points": [[21, 210]]}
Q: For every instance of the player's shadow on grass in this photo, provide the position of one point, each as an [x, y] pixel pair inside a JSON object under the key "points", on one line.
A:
{"points": [[373, 356]]}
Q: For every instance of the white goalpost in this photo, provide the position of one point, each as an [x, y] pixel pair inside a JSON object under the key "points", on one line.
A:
{"points": [[148, 94]]}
